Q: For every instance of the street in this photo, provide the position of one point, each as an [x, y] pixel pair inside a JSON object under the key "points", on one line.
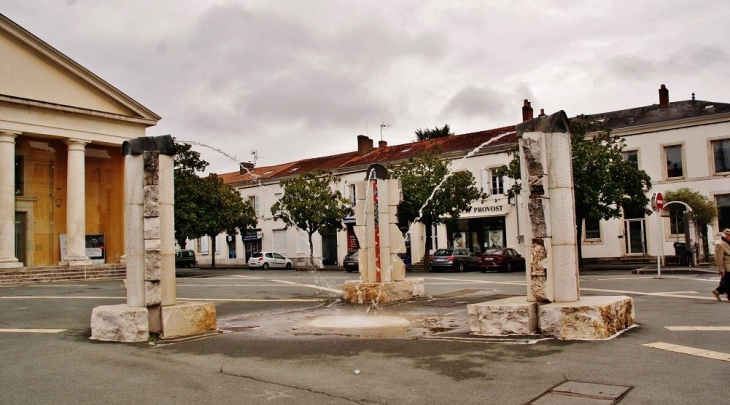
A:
{"points": [[266, 350]]}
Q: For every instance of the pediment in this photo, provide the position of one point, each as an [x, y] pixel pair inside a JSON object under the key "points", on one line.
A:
{"points": [[33, 70]]}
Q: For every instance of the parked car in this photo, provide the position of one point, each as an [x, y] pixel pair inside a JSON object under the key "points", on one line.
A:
{"points": [[504, 259], [268, 259], [185, 258], [351, 262], [454, 259]]}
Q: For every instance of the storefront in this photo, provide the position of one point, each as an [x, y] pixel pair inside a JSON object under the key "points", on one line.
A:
{"points": [[252, 241], [486, 226]]}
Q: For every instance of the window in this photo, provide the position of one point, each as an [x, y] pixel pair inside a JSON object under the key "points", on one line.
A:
{"points": [[632, 156], [673, 155], [350, 194], [497, 182], [721, 154], [204, 245], [676, 219], [723, 211], [19, 166], [254, 200], [592, 228], [280, 240]]}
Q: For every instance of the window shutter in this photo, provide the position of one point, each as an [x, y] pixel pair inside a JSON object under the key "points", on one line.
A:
{"points": [[485, 181]]}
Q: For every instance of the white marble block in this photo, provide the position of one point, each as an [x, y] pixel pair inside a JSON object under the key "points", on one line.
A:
{"points": [[509, 316], [188, 318], [590, 318], [119, 323]]}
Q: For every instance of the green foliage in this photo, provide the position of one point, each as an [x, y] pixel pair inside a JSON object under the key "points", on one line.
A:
{"points": [[436, 132], [605, 184], [205, 205], [432, 194], [703, 210], [310, 204]]}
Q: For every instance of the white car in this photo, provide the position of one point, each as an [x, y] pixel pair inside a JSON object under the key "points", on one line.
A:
{"points": [[268, 259]]}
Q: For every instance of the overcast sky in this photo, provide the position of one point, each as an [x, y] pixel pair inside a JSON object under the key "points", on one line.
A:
{"points": [[294, 79]]}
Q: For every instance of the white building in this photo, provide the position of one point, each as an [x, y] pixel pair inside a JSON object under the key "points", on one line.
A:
{"points": [[679, 144]]}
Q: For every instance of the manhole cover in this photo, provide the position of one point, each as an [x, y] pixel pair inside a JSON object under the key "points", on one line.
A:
{"points": [[574, 392]]}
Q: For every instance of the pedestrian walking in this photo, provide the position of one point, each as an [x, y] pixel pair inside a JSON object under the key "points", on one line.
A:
{"points": [[722, 260]]}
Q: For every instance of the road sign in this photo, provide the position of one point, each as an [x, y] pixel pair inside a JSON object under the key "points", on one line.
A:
{"points": [[659, 201]]}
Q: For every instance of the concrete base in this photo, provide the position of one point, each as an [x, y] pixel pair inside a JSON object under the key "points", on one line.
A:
{"points": [[589, 318], [119, 323], [360, 292], [11, 265], [188, 318], [510, 316]]}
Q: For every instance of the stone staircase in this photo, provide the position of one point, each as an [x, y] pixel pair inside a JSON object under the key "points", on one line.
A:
{"points": [[52, 274]]}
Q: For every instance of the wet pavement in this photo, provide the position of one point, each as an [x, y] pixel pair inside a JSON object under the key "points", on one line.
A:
{"points": [[270, 347]]}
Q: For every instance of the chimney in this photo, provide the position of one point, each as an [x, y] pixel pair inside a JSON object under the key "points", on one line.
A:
{"points": [[663, 96], [542, 112], [364, 145], [526, 111], [245, 167], [382, 144]]}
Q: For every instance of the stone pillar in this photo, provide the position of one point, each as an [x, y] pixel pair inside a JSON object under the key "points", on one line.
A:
{"points": [[382, 272], [76, 205], [547, 179], [134, 229], [7, 201]]}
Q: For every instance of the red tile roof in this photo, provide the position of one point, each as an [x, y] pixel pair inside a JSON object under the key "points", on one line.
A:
{"points": [[465, 143]]}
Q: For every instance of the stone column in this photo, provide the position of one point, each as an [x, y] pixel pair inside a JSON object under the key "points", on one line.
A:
{"points": [[7, 201], [76, 205], [547, 178], [134, 229]]}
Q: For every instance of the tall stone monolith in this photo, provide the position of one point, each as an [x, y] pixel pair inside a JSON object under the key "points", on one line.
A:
{"points": [[152, 305], [382, 272], [553, 305]]}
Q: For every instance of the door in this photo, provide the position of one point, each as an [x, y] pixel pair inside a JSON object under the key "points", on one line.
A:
{"points": [[20, 236], [329, 247], [635, 237]]}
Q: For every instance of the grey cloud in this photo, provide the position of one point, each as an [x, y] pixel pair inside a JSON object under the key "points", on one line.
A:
{"points": [[472, 101]]}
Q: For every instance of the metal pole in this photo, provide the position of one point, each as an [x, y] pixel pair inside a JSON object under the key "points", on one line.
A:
{"points": [[661, 245]]}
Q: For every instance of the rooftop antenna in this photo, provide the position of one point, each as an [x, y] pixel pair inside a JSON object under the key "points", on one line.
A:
{"points": [[383, 125], [256, 156]]}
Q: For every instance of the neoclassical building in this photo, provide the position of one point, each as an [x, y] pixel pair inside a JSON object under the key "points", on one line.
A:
{"points": [[61, 167]]}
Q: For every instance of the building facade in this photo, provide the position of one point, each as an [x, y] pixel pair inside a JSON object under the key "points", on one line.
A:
{"points": [[61, 174], [684, 144]]}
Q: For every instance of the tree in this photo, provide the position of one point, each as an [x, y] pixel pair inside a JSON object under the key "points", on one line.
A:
{"points": [[309, 203], [205, 205], [436, 132], [432, 193], [605, 185], [703, 210]]}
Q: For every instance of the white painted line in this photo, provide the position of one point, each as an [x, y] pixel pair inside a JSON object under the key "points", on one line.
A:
{"points": [[32, 330], [234, 285], [698, 328], [519, 283], [660, 294], [333, 290], [692, 351], [625, 278], [254, 299], [30, 297]]}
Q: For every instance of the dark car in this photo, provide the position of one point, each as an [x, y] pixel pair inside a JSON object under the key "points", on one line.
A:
{"points": [[351, 262], [185, 258], [504, 259], [454, 259]]}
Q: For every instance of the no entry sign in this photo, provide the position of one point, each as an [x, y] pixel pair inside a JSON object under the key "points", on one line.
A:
{"points": [[659, 201]]}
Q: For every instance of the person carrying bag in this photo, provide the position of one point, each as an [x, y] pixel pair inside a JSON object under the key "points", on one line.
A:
{"points": [[722, 260]]}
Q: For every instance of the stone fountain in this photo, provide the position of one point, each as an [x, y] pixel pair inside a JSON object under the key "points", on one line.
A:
{"points": [[553, 305], [152, 305], [382, 272]]}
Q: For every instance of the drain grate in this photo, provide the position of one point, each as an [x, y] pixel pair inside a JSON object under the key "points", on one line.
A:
{"points": [[575, 392]]}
